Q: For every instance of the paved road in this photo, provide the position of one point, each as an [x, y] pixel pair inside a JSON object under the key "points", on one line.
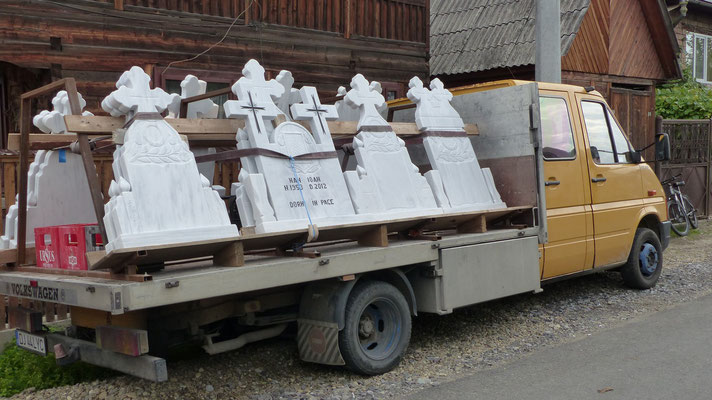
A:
{"points": [[667, 355]]}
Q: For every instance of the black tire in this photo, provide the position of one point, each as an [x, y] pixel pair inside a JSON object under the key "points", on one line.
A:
{"points": [[376, 330], [645, 262], [691, 212], [680, 225]]}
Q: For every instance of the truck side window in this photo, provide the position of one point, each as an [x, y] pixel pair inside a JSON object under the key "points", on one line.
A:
{"points": [[599, 136], [556, 130], [621, 143]]}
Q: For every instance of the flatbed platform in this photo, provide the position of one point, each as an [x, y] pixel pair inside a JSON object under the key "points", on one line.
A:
{"points": [[195, 280]]}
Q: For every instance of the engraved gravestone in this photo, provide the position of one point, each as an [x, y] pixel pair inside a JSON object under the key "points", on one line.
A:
{"points": [[385, 180], [157, 195], [456, 178], [294, 178]]}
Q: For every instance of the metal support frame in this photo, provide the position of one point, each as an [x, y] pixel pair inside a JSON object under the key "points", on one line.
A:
{"points": [[70, 85]]}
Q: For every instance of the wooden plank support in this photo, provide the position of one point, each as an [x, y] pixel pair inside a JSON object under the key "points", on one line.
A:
{"points": [[377, 237], [26, 319], [477, 224], [232, 255], [87, 159], [132, 342], [9, 256]]}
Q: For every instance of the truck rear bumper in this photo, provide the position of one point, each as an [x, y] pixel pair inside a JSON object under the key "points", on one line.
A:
{"points": [[665, 233], [145, 366]]}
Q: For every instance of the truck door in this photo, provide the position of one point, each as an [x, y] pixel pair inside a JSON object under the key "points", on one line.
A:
{"points": [[616, 183], [569, 219]]}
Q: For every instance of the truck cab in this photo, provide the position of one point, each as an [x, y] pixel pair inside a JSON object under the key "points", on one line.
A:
{"points": [[605, 207]]}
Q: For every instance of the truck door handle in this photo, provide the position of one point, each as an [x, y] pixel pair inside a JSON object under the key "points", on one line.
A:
{"points": [[552, 183], [598, 179]]}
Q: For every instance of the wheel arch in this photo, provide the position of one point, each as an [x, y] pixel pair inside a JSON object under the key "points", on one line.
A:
{"points": [[652, 222], [326, 300]]}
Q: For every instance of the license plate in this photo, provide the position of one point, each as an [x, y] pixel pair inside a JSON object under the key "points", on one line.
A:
{"points": [[34, 343]]}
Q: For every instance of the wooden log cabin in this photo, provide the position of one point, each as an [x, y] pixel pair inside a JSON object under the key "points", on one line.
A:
{"points": [[623, 48], [322, 42]]}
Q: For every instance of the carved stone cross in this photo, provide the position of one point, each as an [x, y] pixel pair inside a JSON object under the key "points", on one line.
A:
{"points": [[434, 111], [192, 86], [368, 99], [318, 114], [134, 95], [254, 95]]}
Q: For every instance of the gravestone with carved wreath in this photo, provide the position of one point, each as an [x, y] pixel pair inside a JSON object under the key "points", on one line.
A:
{"points": [[157, 195], [386, 183], [456, 178]]}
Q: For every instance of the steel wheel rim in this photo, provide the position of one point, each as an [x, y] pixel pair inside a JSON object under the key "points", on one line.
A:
{"points": [[648, 259], [379, 329]]}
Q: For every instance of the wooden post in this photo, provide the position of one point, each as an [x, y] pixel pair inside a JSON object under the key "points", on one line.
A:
{"points": [[347, 23], [25, 121], [119, 5], [247, 11], [708, 184], [87, 159], [658, 129]]}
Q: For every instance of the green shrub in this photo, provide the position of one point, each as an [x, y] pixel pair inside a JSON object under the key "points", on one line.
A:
{"points": [[20, 369], [684, 99]]}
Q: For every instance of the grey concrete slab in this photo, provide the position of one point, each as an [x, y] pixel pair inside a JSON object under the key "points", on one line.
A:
{"points": [[666, 355]]}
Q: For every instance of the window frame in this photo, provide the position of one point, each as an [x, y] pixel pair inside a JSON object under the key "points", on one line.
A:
{"points": [[607, 112], [571, 129], [693, 59]]}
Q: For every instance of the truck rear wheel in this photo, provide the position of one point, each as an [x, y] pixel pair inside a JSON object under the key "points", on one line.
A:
{"points": [[377, 327], [645, 262]]}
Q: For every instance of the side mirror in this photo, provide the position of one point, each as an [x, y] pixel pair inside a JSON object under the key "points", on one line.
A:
{"points": [[594, 153], [662, 147], [635, 157]]}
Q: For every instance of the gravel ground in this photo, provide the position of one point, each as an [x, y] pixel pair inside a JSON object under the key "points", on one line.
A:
{"points": [[442, 348]]}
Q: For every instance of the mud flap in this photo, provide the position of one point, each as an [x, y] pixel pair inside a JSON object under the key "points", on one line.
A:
{"points": [[319, 342]]}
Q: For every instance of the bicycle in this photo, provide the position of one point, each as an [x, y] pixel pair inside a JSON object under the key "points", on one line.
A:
{"points": [[681, 212]]}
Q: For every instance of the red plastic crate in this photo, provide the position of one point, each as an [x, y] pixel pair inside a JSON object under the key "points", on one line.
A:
{"points": [[74, 242], [47, 247]]}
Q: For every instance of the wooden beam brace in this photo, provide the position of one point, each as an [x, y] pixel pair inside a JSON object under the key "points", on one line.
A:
{"points": [[232, 255], [477, 224], [377, 237]]}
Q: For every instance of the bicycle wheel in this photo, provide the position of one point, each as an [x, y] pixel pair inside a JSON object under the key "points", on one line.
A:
{"points": [[691, 212], [680, 223]]}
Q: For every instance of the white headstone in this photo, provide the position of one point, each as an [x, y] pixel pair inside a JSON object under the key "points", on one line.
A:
{"points": [[206, 108], [192, 86], [385, 181], [346, 113], [456, 178], [289, 96], [157, 196], [278, 192], [57, 188]]}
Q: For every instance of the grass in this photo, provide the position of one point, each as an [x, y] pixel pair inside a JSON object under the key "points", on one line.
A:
{"points": [[20, 370]]}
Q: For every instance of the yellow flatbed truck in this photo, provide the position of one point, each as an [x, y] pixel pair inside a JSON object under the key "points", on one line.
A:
{"points": [[579, 197]]}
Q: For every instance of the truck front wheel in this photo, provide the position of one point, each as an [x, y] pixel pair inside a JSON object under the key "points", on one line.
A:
{"points": [[377, 327], [645, 261]]}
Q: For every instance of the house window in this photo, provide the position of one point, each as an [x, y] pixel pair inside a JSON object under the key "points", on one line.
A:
{"points": [[698, 49]]}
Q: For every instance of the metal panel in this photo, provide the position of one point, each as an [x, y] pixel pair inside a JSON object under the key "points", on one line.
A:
{"points": [[98, 294], [474, 274]]}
